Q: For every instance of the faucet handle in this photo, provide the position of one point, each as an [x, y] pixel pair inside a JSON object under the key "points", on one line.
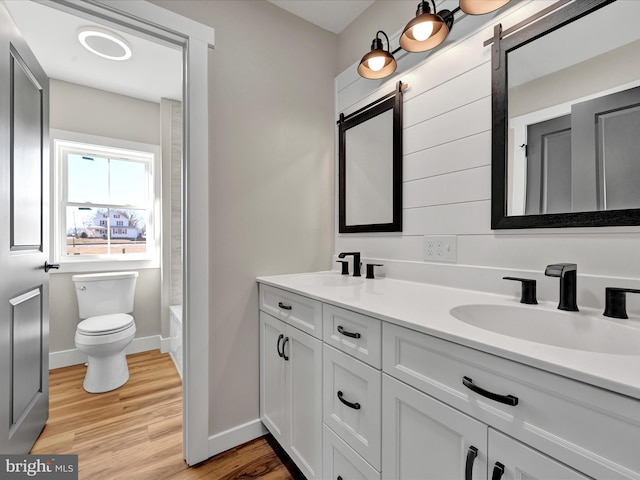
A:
{"points": [[370, 267], [615, 302], [528, 295], [345, 266]]}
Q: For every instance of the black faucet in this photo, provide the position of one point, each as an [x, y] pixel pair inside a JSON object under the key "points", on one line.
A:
{"points": [[528, 294], [616, 301], [356, 261], [568, 284]]}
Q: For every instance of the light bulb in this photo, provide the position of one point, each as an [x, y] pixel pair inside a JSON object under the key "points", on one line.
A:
{"points": [[376, 63], [422, 31]]}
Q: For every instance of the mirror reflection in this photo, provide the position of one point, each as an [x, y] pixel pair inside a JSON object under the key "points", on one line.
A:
{"points": [[574, 116]]}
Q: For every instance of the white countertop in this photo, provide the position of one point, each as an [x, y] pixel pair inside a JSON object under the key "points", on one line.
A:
{"points": [[426, 308]]}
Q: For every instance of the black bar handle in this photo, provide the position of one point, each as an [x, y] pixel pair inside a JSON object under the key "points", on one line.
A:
{"points": [[280, 353], [498, 471], [338, 477], [355, 406], [348, 334], [472, 453], [284, 306], [506, 399], [284, 355]]}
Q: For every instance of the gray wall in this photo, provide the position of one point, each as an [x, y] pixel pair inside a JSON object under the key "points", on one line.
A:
{"points": [[271, 78], [86, 110]]}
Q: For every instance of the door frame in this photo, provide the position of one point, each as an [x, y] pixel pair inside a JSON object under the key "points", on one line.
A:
{"points": [[195, 39]]}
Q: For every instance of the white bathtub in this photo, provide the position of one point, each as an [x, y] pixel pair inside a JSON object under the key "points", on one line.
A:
{"points": [[175, 332]]}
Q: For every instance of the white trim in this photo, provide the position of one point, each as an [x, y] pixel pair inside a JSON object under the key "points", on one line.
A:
{"points": [[66, 358], [195, 39], [149, 154], [223, 441]]}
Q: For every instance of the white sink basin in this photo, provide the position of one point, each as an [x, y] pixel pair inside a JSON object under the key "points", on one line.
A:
{"points": [[572, 330], [327, 279]]}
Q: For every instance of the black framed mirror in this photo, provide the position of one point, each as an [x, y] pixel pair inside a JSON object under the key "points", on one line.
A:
{"points": [[566, 118], [370, 167]]}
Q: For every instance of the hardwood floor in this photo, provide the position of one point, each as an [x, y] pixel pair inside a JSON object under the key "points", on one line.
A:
{"points": [[135, 432]]}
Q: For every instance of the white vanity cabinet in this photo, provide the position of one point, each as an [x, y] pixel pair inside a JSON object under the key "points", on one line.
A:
{"points": [[564, 422], [291, 386], [362, 397], [424, 438]]}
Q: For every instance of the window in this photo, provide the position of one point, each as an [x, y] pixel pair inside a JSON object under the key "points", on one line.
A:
{"points": [[100, 188]]}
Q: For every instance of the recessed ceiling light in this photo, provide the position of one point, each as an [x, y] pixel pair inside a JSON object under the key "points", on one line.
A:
{"points": [[104, 43]]}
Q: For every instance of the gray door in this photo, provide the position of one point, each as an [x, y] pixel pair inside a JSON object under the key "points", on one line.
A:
{"points": [[549, 166], [607, 151], [24, 233]]}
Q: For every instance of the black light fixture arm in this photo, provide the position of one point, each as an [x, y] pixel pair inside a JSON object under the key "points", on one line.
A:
{"points": [[378, 42]]}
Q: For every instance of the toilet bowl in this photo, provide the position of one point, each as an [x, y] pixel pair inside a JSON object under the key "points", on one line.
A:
{"points": [[107, 367], [104, 301]]}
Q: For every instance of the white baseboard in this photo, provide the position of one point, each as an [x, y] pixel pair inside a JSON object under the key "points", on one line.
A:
{"points": [[74, 356], [235, 436]]}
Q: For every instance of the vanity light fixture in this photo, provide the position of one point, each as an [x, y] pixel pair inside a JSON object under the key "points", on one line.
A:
{"points": [[427, 30], [104, 43], [424, 32], [378, 63], [480, 7]]}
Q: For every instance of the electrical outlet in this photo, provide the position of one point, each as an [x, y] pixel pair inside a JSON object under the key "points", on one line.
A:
{"points": [[440, 248]]}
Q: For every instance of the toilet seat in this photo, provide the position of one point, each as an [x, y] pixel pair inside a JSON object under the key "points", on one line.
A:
{"points": [[105, 324]]}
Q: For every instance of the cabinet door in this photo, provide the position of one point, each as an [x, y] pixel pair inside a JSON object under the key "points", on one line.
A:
{"points": [[304, 401], [352, 402], [512, 460], [424, 438], [341, 461], [272, 377]]}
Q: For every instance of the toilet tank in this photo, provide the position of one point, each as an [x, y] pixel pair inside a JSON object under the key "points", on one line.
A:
{"points": [[105, 293]]}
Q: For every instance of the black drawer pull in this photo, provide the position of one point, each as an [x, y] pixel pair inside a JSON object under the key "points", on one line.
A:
{"points": [[280, 353], [348, 334], [286, 340], [506, 399], [498, 471], [284, 306], [355, 406], [472, 453]]}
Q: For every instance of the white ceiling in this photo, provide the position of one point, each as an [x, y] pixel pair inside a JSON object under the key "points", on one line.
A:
{"points": [[332, 15], [153, 72]]}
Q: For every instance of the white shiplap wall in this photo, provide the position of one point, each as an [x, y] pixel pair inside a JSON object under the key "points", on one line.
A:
{"points": [[447, 176]]}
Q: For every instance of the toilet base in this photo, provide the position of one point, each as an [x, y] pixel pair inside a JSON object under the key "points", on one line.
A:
{"points": [[107, 367], [106, 373]]}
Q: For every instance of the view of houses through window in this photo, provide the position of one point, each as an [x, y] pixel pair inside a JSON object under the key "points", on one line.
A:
{"points": [[106, 201], [105, 231]]}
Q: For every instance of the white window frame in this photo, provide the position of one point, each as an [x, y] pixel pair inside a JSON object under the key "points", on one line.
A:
{"points": [[64, 141]]}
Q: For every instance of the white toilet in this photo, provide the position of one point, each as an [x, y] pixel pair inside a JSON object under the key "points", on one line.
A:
{"points": [[105, 301]]}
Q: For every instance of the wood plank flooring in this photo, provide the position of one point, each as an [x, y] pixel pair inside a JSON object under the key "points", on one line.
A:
{"points": [[135, 432]]}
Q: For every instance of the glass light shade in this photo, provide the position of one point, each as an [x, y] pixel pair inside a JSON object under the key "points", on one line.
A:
{"points": [[411, 37], [480, 7], [377, 64]]}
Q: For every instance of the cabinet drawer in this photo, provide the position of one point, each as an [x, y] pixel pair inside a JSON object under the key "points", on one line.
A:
{"points": [[352, 402], [341, 461], [353, 333], [564, 418], [301, 312]]}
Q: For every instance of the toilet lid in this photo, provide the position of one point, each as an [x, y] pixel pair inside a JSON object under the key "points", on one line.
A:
{"points": [[105, 324]]}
